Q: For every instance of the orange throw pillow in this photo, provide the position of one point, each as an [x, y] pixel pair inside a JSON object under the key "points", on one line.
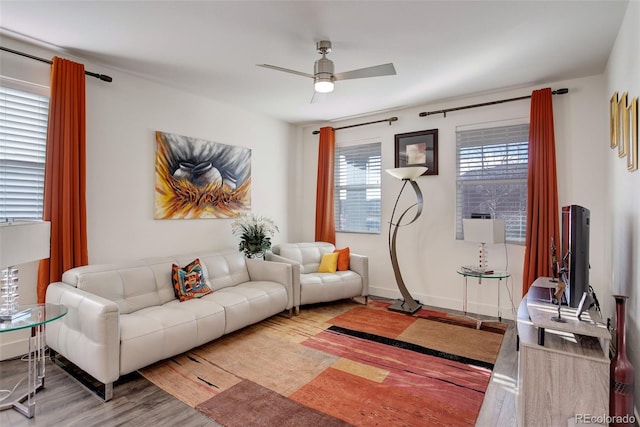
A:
{"points": [[344, 256]]}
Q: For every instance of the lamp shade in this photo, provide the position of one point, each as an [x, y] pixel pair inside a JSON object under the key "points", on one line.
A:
{"points": [[410, 172], [24, 241], [483, 230], [323, 85]]}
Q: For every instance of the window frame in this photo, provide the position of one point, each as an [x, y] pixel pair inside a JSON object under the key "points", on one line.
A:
{"points": [[503, 145], [341, 226], [23, 148]]}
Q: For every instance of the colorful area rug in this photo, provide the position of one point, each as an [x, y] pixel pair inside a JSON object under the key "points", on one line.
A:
{"points": [[339, 364]]}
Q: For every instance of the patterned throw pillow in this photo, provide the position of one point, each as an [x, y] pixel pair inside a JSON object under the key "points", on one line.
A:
{"points": [[329, 263], [188, 281], [344, 256]]}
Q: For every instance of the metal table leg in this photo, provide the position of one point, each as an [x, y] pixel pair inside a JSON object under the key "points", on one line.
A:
{"points": [[35, 376], [499, 309]]}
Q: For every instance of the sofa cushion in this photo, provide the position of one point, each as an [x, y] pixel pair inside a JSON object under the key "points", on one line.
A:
{"points": [[191, 285], [192, 266], [224, 268], [158, 332], [189, 281], [343, 258], [328, 263], [250, 302], [131, 288]]}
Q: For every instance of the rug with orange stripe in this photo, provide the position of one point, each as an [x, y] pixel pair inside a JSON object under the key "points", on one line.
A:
{"points": [[340, 364]]}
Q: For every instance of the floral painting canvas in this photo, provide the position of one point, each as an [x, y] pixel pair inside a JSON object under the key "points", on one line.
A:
{"points": [[196, 178]]}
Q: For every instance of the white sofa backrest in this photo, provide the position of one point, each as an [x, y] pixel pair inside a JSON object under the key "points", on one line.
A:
{"points": [[308, 254], [225, 268], [131, 288], [145, 283]]}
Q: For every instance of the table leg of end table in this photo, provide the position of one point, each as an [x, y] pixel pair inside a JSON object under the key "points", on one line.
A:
{"points": [[464, 304], [499, 309], [464, 297], [26, 403]]}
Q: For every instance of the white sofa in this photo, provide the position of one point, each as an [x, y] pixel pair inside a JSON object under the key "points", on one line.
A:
{"points": [[125, 316], [312, 287]]}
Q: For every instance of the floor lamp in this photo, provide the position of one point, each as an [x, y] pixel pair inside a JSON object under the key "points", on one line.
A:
{"points": [[407, 175], [20, 242]]}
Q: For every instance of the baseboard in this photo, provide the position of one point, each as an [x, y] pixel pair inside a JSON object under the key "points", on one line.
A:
{"points": [[16, 348]]}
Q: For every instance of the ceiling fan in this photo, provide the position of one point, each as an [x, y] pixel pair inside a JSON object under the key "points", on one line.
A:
{"points": [[323, 71]]}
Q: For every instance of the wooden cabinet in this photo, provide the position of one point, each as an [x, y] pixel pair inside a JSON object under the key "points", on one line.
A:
{"points": [[566, 376]]}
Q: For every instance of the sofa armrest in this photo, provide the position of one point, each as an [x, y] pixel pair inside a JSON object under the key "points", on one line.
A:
{"points": [[295, 271], [360, 265], [89, 334], [279, 272]]}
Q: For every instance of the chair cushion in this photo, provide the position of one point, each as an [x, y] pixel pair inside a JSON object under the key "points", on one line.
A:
{"points": [[328, 263], [307, 254], [343, 258], [322, 287]]}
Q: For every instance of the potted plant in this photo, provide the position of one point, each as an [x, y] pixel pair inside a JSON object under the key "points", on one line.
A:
{"points": [[255, 234]]}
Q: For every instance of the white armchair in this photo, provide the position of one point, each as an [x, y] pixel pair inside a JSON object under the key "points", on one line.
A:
{"points": [[311, 286]]}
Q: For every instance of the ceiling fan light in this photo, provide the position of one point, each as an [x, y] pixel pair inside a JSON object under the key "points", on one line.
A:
{"points": [[324, 86]]}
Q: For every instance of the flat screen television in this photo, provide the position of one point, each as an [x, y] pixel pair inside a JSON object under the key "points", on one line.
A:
{"points": [[575, 252]]}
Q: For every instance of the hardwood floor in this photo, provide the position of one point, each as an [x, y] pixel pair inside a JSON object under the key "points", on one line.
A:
{"points": [[499, 405], [137, 402], [64, 402]]}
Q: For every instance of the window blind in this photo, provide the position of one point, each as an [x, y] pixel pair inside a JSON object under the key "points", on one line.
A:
{"points": [[357, 182], [23, 135], [492, 166]]}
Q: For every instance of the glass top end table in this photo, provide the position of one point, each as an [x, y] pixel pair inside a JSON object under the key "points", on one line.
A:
{"points": [[471, 271], [36, 317]]}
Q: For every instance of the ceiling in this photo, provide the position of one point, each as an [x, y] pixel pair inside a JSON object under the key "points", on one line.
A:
{"points": [[440, 49]]}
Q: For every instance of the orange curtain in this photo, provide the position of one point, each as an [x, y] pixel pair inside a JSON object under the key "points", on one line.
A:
{"points": [[542, 191], [325, 224], [65, 170]]}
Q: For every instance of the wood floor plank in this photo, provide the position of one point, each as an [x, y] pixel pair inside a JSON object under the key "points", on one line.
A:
{"points": [[64, 402]]}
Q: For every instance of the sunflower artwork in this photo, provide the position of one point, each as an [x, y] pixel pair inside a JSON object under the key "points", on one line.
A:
{"points": [[196, 178]]}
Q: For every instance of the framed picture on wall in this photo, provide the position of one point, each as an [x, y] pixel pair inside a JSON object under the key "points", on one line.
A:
{"points": [[613, 120], [418, 149], [632, 155], [623, 126]]}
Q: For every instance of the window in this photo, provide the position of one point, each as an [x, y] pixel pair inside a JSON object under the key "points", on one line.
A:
{"points": [[357, 188], [23, 135], [492, 176]]}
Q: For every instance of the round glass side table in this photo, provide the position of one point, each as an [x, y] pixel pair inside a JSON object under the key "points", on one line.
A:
{"points": [[467, 271], [36, 317]]}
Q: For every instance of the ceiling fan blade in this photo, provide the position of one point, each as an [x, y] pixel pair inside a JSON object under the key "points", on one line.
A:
{"points": [[286, 70], [319, 97], [375, 71]]}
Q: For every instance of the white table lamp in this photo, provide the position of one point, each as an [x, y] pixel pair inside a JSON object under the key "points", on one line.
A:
{"points": [[483, 231], [20, 242]]}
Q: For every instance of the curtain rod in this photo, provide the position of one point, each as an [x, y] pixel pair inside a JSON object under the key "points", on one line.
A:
{"points": [[102, 77], [446, 110], [389, 120]]}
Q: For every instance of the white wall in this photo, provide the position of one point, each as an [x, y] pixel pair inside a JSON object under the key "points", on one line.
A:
{"points": [[122, 118], [622, 245], [429, 254]]}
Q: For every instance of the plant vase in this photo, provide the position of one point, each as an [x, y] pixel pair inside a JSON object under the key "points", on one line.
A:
{"points": [[621, 392]]}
